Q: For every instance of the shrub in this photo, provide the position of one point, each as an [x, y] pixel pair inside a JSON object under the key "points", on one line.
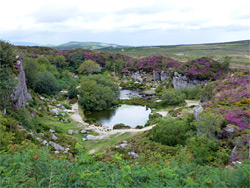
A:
{"points": [[191, 92], [169, 131], [72, 91], [46, 83], [173, 97], [98, 93], [121, 126]]}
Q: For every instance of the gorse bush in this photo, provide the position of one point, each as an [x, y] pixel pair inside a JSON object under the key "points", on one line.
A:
{"points": [[173, 96]]}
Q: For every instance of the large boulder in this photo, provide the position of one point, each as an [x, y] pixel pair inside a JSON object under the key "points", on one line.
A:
{"points": [[56, 146]]}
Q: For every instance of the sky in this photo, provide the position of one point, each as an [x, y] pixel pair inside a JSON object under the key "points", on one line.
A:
{"points": [[125, 22]]}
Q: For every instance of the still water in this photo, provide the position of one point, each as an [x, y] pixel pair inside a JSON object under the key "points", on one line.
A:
{"points": [[131, 115], [125, 94]]}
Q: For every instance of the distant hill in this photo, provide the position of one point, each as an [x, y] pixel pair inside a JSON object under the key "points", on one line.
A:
{"points": [[238, 50], [25, 44], [86, 45]]}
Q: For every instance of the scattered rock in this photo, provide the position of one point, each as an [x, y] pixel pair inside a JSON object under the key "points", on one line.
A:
{"points": [[84, 139], [62, 114], [70, 132], [66, 150], [30, 134], [125, 142], [123, 145], [83, 131], [133, 154], [90, 137], [63, 92], [52, 131], [54, 137], [229, 130], [39, 139], [45, 143], [47, 100], [56, 146], [29, 96], [39, 108], [42, 98], [40, 134], [58, 105], [57, 152], [55, 111]]}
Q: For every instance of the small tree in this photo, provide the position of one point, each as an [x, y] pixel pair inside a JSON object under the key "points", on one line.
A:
{"points": [[46, 83], [7, 55], [173, 97], [88, 67]]}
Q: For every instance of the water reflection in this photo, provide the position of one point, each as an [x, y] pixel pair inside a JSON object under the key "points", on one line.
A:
{"points": [[131, 115]]}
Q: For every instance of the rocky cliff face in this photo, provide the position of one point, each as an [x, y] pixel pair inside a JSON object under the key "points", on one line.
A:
{"points": [[19, 97], [183, 81], [178, 80]]}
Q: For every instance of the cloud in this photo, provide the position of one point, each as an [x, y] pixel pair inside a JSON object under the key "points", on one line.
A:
{"points": [[59, 20]]}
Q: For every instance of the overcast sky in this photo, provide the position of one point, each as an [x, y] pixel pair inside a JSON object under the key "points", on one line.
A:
{"points": [[126, 22]]}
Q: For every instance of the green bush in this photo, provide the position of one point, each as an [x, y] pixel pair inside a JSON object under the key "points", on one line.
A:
{"points": [[98, 93], [169, 131], [173, 97], [72, 91], [46, 83], [121, 126], [191, 92]]}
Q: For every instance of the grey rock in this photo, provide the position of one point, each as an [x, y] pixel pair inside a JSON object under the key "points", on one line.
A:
{"points": [[63, 92], [70, 132], [54, 137], [58, 105], [19, 96], [180, 80], [55, 111], [39, 139], [29, 96], [52, 131], [83, 131], [125, 142], [30, 133], [39, 108], [197, 110], [133, 154], [137, 76], [40, 134], [57, 152], [47, 100], [123, 145], [84, 139], [42, 98], [66, 150], [90, 137], [164, 76], [56, 146], [45, 143], [62, 114]]}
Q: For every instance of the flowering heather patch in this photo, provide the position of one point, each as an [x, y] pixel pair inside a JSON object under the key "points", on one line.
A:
{"points": [[153, 63], [203, 68], [232, 99]]}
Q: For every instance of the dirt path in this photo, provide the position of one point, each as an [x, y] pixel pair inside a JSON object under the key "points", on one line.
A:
{"points": [[76, 116], [104, 132]]}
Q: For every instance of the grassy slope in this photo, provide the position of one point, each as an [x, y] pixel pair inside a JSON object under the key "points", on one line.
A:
{"points": [[239, 51]]}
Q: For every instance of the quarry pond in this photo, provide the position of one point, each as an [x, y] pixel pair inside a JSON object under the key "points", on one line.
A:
{"points": [[131, 115]]}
